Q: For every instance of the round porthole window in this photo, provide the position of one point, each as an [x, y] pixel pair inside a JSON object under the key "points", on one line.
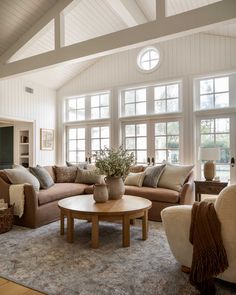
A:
{"points": [[148, 59]]}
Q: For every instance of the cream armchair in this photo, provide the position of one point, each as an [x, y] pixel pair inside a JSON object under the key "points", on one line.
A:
{"points": [[176, 221]]}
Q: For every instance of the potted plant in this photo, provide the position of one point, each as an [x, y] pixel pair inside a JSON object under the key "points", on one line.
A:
{"points": [[115, 164]]}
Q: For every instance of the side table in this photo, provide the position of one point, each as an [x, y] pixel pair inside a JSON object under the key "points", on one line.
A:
{"points": [[208, 187]]}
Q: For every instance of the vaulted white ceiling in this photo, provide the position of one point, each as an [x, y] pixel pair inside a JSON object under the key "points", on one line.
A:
{"points": [[87, 19], [17, 17]]}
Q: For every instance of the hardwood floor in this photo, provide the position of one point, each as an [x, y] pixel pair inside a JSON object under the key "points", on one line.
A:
{"points": [[10, 288]]}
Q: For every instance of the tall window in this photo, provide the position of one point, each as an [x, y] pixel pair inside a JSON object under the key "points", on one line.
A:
{"points": [[99, 138], [89, 107], [214, 93], [100, 106], [166, 98], [167, 137], [76, 145], [75, 109], [135, 102], [215, 132], [135, 139]]}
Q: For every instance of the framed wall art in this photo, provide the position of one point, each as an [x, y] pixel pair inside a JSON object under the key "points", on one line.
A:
{"points": [[47, 139]]}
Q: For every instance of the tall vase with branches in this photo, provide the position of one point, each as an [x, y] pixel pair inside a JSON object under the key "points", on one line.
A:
{"points": [[115, 164]]}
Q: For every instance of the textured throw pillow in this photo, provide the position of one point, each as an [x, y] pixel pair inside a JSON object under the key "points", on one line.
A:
{"points": [[20, 175], [136, 169], [174, 176], [152, 175], [65, 174], [135, 179], [82, 165], [43, 176], [88, 177]]}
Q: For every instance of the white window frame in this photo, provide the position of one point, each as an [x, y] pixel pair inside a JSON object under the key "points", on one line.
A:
{"points": [[142, 52], [150, 100], [124, 137], [232, 91], [88, 137], [88, 107]]}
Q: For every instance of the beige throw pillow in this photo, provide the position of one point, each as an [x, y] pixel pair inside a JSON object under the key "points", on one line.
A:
{"points": [[88, 177], [20, 175], [174, 176], [135, 179]]}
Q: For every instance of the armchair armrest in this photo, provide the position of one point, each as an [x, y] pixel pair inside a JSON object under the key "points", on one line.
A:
{"points": [[210, 199], [176, 221]]}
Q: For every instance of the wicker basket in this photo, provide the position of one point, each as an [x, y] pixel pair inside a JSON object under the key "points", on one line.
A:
{"points": [[6, 219]]}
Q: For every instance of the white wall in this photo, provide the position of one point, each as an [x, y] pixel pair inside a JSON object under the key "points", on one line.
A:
{"points": [[182, 58], [39, 107]]}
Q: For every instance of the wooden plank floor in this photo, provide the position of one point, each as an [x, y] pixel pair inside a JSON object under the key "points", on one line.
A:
{"points": [[10, 288]]}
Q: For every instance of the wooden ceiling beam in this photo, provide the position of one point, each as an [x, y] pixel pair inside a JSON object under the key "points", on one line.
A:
{"points": [[194, 21], [40, 24]]}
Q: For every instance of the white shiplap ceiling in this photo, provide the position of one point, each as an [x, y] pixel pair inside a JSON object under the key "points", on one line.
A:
{"points": [[17, 17], [85, 19], [57, 76]]}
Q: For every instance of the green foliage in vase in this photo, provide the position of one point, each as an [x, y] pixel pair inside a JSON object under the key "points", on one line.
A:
{"points": [[114, 162]]}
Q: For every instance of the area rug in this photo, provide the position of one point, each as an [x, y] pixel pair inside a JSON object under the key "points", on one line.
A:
{"points": [[42, 259]]}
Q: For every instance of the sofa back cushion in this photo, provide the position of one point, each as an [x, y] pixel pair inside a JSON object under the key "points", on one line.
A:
{"points": [[43, 176], [50, 170], [174, 176], [20, 175], [137, 168], [135, 179], [88, 177], [65, 174], [152, 175], [82, 165]]}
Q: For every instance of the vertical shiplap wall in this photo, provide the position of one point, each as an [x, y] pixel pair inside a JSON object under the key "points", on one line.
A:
{"points": [[191, 55], [181, 58], [39, 107]]}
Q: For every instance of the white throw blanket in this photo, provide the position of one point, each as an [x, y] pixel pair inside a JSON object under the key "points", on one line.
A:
{"points": [[17, 197]]}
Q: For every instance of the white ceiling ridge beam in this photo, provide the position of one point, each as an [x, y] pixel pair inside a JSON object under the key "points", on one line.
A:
{"points": [[194, 21], [40, 24], [128, 11]]}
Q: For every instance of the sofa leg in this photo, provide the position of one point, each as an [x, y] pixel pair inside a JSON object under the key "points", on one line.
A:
{"points": [[185, 269]]}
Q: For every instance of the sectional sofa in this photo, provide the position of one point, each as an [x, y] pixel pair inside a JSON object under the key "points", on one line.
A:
{"points": [[41, 207]]}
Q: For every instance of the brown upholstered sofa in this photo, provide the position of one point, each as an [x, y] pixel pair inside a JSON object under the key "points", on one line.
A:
{"points": [[41, 208]]}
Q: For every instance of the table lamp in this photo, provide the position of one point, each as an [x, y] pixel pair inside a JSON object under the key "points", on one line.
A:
{"points": [[209, 155]]}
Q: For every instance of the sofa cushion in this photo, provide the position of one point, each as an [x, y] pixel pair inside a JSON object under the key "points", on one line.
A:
{"points": [[88, 177], [135, 179], [20, 175], [50, 170], [43, 176], [153, 194], [59, 191], [65, 174], [152, 175], [82, 165], [136, 168], [174, 176]]}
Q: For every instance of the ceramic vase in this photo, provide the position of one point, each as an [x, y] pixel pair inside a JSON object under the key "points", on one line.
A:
{"points": [[116, 187], [100, 193]]}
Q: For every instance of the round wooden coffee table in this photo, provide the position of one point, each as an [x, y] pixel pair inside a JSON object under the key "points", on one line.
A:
{"points": [[84, 207]]}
